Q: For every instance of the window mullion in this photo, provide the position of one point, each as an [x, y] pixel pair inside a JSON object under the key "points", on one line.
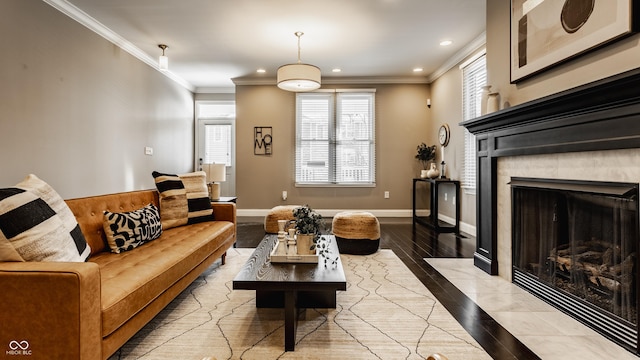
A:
{"points": [[333, 140]]}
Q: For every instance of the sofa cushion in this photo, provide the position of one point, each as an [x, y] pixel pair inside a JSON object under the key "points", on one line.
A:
{"points": [[184, 198], [38, 223], [125, 231], [133, 279]]}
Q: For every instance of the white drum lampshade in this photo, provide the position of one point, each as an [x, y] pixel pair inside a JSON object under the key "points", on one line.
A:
{"points": [[298, 77], [216, 173]]}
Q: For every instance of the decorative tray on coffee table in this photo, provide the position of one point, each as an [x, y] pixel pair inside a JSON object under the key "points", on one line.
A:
{"points": [[292, 259]]}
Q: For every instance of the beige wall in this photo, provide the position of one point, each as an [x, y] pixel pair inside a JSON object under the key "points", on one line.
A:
{"points": [[402, 122], [78, 111], [610, 60], [446, 99]]}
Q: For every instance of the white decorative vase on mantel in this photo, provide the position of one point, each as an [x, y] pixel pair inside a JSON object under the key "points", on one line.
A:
{"points": [[493, 102], [484, 97]]}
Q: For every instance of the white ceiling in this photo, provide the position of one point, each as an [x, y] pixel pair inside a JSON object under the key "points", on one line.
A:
{"points": [[212, 42]]}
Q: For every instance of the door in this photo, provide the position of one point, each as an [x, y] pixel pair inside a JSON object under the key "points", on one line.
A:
{"points": [[215, 133]]}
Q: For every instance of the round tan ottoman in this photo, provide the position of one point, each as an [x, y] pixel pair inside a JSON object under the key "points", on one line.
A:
{"points": [[356, 232], [281, 212]]}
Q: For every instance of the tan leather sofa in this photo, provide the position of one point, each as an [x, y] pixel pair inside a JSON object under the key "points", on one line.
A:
{"points": [[89, 310]]}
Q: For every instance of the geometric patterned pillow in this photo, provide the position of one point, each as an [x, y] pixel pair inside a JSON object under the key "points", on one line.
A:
{"points": [[125, 231], [184, 199], [39, 225]]}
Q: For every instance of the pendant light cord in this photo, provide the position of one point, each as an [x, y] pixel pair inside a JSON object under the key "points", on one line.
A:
{"points": [[299, 34]]}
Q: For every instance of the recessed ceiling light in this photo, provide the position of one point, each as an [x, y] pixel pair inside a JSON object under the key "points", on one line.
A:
{"points": [[261, 71], [336, 70], [446, 43], [418, 69]]}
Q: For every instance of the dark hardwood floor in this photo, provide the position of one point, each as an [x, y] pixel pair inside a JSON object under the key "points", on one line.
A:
{"points": [[412, 245]]}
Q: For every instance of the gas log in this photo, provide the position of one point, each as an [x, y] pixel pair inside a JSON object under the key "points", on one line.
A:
{"points": [[596, 266]]}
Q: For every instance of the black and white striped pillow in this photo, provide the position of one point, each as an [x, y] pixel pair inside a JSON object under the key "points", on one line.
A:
{"points": [[184, 198], [39, 225]]}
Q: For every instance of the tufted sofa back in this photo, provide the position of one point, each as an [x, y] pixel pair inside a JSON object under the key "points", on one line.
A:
{"points": [[88, 212]]}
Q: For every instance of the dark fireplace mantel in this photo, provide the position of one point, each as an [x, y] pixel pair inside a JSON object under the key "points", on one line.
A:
{"points": [[603, 115]]}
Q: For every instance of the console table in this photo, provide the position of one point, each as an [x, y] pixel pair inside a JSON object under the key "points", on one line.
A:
{"points": [[432, 220]]}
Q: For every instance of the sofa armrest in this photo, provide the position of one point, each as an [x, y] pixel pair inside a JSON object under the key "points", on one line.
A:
{"points": [[224, 211], [51, 309]]}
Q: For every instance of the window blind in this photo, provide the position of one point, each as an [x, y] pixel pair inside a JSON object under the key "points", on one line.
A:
{"points": [[474, 77], [335, 138], [217, 144]]}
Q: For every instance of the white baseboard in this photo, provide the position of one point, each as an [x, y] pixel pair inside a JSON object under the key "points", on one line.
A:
{"points": [[464, 227], [330, 212], [381, 213]]}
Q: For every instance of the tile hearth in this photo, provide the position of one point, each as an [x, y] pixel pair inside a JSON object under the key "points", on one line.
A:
{"points": [[545, 330]]}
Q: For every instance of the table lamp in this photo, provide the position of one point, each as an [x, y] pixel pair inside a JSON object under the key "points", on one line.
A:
{"points": [[216, 173]]}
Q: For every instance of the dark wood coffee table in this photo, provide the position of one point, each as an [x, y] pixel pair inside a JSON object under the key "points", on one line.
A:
{"points": [[291, 286]]}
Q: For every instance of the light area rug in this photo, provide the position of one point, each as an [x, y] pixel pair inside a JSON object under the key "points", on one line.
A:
{"points": [[386, 313]]}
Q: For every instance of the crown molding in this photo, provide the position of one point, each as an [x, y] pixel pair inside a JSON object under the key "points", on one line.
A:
{"points": [[340, 81], [466, 51], [215, 90], [94, 25]]}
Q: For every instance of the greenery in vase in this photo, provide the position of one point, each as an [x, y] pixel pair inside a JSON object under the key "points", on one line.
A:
{"points": [[425, 154], [307, 221]]}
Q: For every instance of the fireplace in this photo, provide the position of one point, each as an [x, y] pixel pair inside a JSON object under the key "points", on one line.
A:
{"points": [[591, 132], [575, 246]]}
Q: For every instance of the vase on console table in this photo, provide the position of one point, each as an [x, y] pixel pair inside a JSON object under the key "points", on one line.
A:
{"points": [[433, 172]]}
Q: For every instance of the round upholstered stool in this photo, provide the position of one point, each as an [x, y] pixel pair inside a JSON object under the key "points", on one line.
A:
{"points": [[356, 232], [281, 212]]}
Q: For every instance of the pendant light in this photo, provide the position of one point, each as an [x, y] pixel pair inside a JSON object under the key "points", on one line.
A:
{"points": [[298, 77], [163, 61]]}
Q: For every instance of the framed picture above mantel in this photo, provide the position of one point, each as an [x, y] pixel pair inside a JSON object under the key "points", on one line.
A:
{"points": [[545, 33]]}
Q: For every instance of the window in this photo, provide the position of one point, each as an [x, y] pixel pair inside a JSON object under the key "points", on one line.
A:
{"points": [[217, 144], [335, 138], [474, 77]]}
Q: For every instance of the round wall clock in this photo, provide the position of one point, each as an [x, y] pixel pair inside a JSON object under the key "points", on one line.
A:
{"points": [[444, 134]]}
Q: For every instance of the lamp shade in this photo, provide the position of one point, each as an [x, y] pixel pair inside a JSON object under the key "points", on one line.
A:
{"points": [[298, 77], [215, 172], [163, 60], [163, 63]]}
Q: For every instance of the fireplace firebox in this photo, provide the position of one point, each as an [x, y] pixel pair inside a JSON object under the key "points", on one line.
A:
{"points": [[575, 246]]}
